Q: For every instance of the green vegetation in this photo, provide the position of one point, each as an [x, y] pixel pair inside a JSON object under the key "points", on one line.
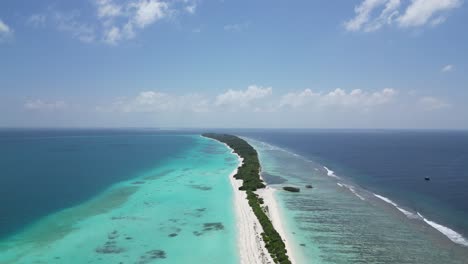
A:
{"points": [[249, 173]]}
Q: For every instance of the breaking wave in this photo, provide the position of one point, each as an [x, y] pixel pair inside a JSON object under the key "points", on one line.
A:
{"points": [[451, 234], [330, 173], [405, 212], [351, 189]]}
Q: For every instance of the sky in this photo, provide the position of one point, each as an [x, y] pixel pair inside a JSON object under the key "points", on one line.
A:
{"points": [[234, 63]]}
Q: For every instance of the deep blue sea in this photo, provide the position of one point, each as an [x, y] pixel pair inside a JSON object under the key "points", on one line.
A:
{"points": [[43, 171], [391, 207], [394, 164]]}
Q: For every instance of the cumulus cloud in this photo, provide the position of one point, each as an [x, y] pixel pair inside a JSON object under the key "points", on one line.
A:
{"points": [[113, 21], [432, 103], [420, 12], [5, 30], [447, 68], [337, 98], [121, 21], [235, 99], [254, 98], [149, 11], [107, 8], [371, 15], [44, 105]]}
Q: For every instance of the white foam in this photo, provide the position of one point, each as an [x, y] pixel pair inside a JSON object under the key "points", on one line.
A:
{"points": [[451, 234], [352, 190], [405, 212], [330, 173]]}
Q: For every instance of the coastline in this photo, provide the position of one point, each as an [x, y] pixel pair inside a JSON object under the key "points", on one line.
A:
{"points": [[274, 214], [250, 242]]}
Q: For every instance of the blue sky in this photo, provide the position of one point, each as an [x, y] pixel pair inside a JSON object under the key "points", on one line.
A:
{"points": [[201, 63]]}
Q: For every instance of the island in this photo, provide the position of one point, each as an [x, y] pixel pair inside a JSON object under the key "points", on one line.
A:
{"points": [[249, 173]]}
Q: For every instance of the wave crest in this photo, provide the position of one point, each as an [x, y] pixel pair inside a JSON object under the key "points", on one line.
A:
{"points": [[351, 189], [405, 212], [450, 233], [331, 173]]}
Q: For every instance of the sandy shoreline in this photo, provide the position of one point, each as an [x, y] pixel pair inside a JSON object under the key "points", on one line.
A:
{"points": [[250, 242], [273, 213], [251, 246]]}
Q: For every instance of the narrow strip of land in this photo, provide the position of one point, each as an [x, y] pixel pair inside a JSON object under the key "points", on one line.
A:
{"points": [[249, 173]]}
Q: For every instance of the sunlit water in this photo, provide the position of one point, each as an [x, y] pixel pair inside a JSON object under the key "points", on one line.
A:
{"points": [[180, 211]]}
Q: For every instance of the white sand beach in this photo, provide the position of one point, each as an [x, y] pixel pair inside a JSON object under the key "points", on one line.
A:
{"points": [[273, 213], [251, 246]]}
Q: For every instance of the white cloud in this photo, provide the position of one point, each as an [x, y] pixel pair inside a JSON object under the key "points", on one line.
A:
{"points": [[121, 21], [157, 102], [372, 15], [107, 8], [44, 105], [242, 98], [261, 101], [5, 30], [363, 14], [429, 103], [236, 27], [113, 35], [420, 12], [448, 68], [299, 99], [149, 11], [37, 20], [115, 21], [69, 22], [337, 98]]}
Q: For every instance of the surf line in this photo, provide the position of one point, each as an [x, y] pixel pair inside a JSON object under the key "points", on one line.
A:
{"points": [[446, 231]]}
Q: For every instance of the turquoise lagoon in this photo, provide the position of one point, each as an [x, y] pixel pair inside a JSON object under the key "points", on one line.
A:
{"points": [[180, 211]]}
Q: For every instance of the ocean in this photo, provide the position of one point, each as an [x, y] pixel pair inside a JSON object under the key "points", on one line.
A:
{"points": [[144, 196], [115, 196], [370, 202]]}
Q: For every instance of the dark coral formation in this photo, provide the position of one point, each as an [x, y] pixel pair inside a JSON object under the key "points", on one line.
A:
{"points": [[291, 189], [201, 187], [196, 213], [213, 226], [159, 175], [138, 182], [110, 247], [209, 227], [152, 255]]}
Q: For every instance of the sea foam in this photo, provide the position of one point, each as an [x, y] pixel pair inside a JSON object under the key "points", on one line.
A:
{"points": [[330, 173], [351, 189], [450, 233], [405, 212]]}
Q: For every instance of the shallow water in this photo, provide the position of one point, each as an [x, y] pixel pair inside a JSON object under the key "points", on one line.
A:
{"points": [[181, 211], [338, 222]]}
